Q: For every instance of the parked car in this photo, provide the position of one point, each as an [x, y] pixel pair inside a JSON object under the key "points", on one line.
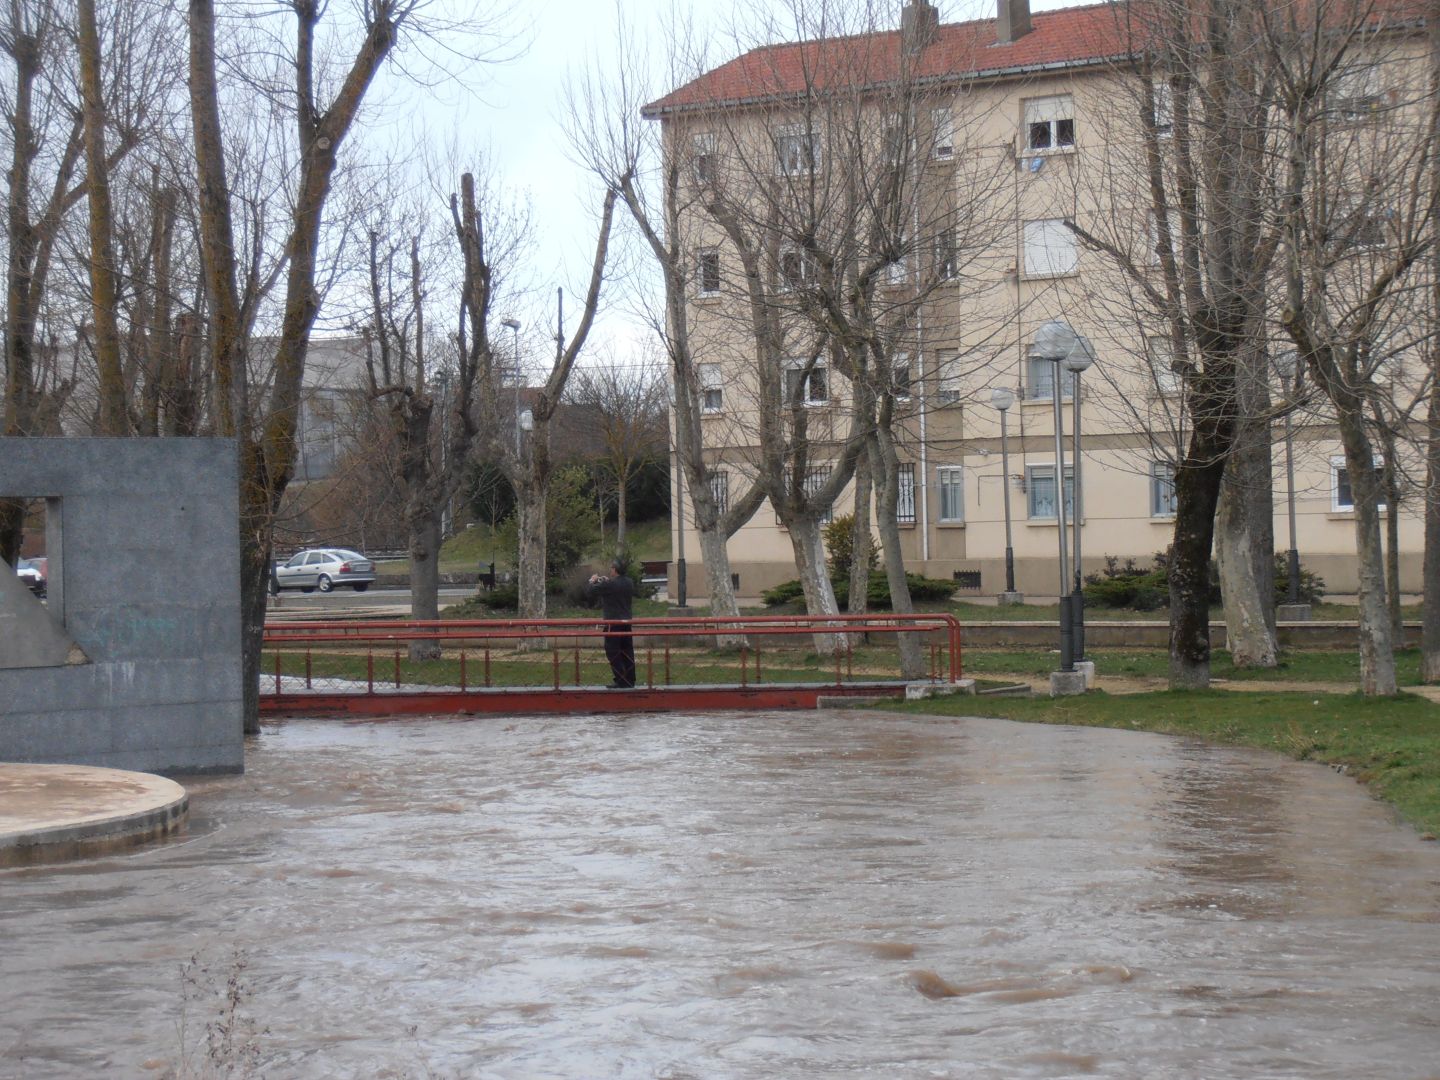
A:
{"points": [[35, 573], [324, 569]]}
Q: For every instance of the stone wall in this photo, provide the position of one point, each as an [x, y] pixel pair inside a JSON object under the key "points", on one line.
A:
{"points": [[143, 545]]}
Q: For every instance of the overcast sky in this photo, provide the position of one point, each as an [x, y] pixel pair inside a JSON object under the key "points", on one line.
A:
{"points": [[514, 108]]}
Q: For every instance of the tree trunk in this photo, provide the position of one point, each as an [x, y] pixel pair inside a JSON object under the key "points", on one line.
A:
{"points": [[807, 540], [1430, 610], [1197, 491], [114, 418], [860, 540], [424, 521], [1245, 522], [530, 507], [1377, 658], [1244, 554], [886, 468]]}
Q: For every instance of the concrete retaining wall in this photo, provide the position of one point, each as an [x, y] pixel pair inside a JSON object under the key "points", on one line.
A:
{"points": [[145, 579]]}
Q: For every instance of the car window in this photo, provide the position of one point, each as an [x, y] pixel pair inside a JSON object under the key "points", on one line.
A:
{"points": [[346, 553], [313, 557]]}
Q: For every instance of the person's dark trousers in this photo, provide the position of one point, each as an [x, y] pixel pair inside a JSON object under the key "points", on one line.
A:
{"points": [[620, 651]]}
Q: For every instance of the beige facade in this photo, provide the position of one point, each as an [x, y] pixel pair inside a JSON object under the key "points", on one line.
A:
{"points": [[1042, 147]]}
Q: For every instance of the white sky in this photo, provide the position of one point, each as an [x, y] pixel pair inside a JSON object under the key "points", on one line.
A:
{"points": [[513, 109]]}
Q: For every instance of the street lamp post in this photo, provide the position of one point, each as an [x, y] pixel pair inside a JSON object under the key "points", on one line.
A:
{"points": [[513, 325], [1067, 351], [1080, 357], [1002, 399], [1292, 610]]}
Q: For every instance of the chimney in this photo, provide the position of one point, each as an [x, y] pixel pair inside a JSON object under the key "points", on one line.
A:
{"points": [[919, 20], [1012, 20]]}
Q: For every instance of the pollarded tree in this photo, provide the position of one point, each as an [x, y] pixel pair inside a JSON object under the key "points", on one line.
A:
{"points": [[526, 459], [1203, 179], [323, 116], [1357, 208]]}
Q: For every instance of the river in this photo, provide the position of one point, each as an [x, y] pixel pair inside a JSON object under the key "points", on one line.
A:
{"points": [[787, 895]]}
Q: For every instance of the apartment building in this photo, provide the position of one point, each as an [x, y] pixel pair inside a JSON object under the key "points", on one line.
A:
{"points": [[1010, 128]]}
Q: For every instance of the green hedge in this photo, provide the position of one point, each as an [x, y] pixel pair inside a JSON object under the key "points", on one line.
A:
{"points": [[877, 596]]}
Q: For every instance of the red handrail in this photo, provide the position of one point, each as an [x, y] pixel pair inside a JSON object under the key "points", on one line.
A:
{"points": [[392, 630]]}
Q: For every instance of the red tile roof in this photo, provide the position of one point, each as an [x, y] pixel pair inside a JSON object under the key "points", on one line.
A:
{"points": [[1070, 37]]}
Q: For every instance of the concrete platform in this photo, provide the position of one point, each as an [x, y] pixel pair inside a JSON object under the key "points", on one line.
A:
{"points": [[53, 812]]}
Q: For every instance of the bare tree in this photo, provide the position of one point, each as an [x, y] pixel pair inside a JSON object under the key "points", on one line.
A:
{"points": [[1204, 178], [527, 462], [1357, 208], [654, 179], [627, 402], [267, 436]]}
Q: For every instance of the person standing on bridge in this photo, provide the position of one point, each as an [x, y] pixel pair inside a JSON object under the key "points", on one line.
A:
{"points": [[615, 594]]}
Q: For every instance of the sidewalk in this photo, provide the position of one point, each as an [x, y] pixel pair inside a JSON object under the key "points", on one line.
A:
{"points": [[52, 812]]}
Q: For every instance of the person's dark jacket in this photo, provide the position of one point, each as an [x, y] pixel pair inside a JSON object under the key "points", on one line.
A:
{"points": [[615, 594]]}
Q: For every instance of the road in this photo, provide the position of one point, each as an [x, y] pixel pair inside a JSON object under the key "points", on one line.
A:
{"points": [[348, 601]]}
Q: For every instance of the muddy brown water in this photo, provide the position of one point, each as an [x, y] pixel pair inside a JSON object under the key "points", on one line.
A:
{"points": [[743, 896]]}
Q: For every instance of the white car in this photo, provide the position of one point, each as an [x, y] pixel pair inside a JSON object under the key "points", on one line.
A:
{"points": [[324, 569]]}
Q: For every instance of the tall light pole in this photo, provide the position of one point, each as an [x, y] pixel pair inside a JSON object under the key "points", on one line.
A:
{"points": [[1061, 346], [1290, 373], [1080, 357], [1001, 398], [513, 325]]}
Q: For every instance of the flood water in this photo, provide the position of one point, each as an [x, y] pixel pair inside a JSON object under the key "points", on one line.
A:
{"points": [[742, 896]]}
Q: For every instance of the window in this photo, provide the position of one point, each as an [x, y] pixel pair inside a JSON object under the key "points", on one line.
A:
{"points": [[897, 272], [1357, 92], [905, 500], [947, 260], [814, 480], [707, 271], [952, 493], [1342, 495], [900, 377], [943, 126], [1164, 114], [1354, 223], [1162, 489], [704, 156], [1040, 383], [1050, 123], [797, 271], [720, 489], [1041, 491], [712, 389], [811, 384], [947, 377], [1161, 358], [1050, 249], [797, 151]]}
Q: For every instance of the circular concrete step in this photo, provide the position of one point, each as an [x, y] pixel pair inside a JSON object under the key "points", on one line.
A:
{"points": [[52, 812]]}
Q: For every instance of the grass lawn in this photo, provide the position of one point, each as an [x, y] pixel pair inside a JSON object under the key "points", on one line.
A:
{"points": [[1320, 666], [1390, 744]]}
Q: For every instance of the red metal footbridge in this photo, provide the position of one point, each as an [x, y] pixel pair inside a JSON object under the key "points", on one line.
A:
{"points": [[516, 666]]}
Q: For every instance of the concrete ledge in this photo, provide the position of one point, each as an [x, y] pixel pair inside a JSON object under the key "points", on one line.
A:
{"points": [[919, 691], [1067, 683], [52, 812]]}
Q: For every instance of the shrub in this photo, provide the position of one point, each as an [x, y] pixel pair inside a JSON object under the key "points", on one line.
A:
{"points": [[1126, 585], [500, 598], [1312, 585], [840, 546], [877, 595]]}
